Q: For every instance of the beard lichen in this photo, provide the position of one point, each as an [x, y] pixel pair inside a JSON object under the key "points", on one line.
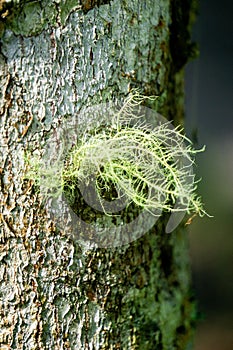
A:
{"points": [[146, 165]]}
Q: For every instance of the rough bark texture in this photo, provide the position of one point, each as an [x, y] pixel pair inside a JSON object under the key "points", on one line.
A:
{"points": [[56, 57]]}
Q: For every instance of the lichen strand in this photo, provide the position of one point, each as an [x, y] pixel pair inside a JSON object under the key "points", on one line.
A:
{"points": [[54, 293]]}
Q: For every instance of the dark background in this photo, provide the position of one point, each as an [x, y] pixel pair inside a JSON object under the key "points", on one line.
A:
{"points": [[209, 121]]}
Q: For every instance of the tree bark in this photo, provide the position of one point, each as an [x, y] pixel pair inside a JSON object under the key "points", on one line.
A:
{"points": [[57, 57]]}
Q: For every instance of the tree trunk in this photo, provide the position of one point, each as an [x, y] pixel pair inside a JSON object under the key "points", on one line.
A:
{"points": [[57, 57]]}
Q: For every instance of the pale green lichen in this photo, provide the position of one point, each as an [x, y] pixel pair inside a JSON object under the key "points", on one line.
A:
{"points": [[143, 164]]}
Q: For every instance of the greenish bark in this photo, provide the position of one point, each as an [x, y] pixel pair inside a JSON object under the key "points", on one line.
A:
{"points": [[57, 57]]}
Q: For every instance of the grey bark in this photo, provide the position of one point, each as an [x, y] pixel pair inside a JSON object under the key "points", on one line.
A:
{"points": [[57, 57]]}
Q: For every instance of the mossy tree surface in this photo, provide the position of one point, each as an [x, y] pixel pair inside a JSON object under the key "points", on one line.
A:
{"points": [[56, 57]]}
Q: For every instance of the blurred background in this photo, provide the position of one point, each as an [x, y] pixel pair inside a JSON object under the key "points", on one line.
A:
{"points": [[209, 121]]}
